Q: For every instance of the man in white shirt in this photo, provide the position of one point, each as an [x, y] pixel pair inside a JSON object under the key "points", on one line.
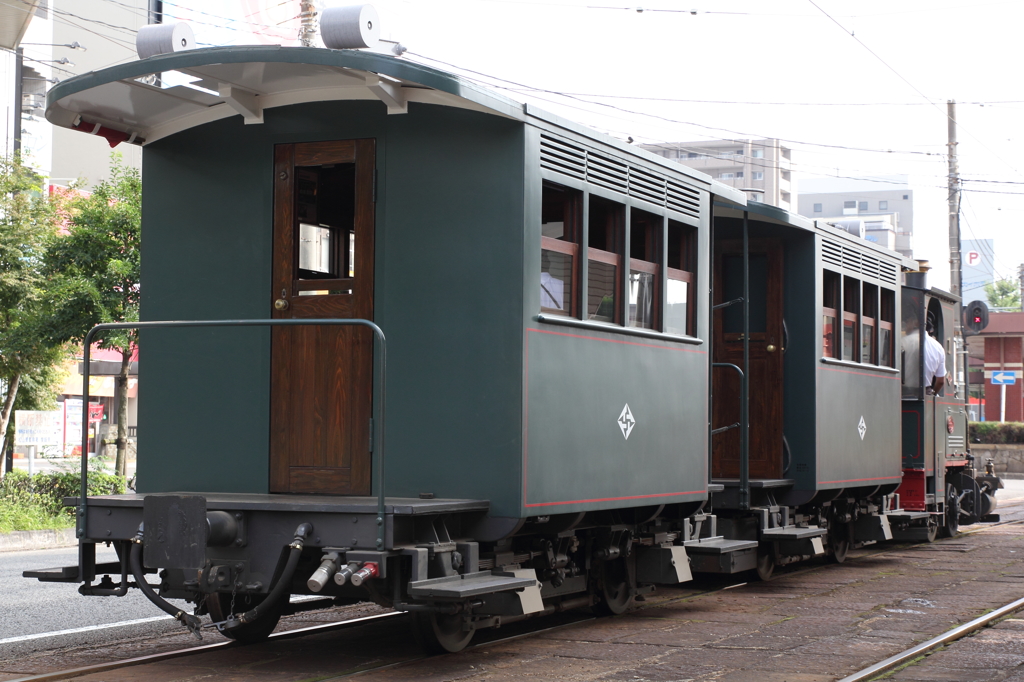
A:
{"points": [[934, 361]]}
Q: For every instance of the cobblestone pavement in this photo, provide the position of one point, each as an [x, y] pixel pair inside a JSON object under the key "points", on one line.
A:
{"points": [[816, 622]]}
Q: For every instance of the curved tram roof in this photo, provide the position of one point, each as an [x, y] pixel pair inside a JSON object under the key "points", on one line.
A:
{"points": [[248, 80]]}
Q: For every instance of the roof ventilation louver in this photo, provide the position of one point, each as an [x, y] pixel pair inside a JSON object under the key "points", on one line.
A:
{"points": [[647, 186], [563, 158], [831, 253], [586, 164], [851, 259], [887, 272], [607, 172], [869, 266], [683, 199]]}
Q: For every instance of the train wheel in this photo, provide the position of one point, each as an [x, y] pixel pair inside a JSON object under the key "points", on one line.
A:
{"points": [[441, 633], [765, 561], [616, 586], [952, 524], [933, 530], [219, 606], [838, 541]]}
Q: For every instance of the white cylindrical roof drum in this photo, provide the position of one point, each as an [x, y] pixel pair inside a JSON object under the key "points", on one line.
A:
{"points": [[155, 39], [350, 28]]}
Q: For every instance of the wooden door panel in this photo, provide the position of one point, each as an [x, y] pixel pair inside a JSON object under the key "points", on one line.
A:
{"points": [[765, 372], [322, 153], [321, 392]]}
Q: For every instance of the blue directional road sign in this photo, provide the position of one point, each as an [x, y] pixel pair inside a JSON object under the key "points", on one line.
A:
{"points": [[1004, 378]]}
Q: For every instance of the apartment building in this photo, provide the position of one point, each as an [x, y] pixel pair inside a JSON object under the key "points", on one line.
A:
{"points": [[881, 204], [763, 167]]}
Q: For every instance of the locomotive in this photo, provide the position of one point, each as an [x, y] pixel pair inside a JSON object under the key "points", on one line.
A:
{"points": [[595, 371]]}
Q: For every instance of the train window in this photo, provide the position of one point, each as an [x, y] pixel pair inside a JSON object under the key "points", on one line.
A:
{"points": [[561, 218], [604, 259], [885, 328], [851, 306], [645, 237], [869, 324], [830, 312], [679, 314], [325, 213]]}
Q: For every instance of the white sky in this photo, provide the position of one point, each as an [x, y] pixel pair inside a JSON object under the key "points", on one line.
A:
{"points": [[764, 69]]}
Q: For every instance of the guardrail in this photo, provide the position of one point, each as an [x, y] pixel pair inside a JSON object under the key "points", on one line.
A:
{"points": [[380, 359]]}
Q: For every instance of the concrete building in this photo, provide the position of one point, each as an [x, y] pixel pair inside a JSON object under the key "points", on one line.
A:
{"points": [[66, 38], [763, 165], [884, 204]]}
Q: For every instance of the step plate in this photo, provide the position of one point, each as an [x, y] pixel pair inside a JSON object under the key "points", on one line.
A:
{"points": [[471, 585], [773, 534], [720, 546]]}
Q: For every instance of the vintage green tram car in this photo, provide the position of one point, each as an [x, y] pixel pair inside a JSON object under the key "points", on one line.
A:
{"points": [[546, 320], [546, 344]]}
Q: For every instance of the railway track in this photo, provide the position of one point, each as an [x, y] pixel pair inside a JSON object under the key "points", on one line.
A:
{"points": [[873, 671], [540, 626]]}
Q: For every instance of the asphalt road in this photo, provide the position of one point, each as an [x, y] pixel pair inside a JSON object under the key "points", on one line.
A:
{"points": [[28, 607]]}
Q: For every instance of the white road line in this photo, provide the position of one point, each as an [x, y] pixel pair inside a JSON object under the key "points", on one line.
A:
{"points": [[57, 633], [123, 623]]}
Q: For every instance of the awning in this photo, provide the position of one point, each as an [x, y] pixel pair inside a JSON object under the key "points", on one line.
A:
{"points": [[15, 16]]}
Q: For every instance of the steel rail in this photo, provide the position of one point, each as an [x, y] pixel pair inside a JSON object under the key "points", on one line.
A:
{"points": [[178, 653], [378, 422], [950, 636]]}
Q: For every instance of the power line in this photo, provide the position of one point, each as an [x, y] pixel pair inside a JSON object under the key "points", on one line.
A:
{"points": [[671, 120], [913, 87]]}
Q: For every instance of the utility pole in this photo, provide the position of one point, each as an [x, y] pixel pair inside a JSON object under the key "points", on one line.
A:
{"points": [[955, 274], [307, 33], [961, 359]]}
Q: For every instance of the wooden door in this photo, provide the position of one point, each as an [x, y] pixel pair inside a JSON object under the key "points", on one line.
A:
{"points": [[766, 346], [322, 376]]}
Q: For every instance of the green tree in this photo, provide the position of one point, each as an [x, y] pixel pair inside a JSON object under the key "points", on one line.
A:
{"points": [[93, 275], [1003, 293], [27, 220]]}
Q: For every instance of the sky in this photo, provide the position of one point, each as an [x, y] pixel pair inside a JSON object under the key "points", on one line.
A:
{"points": [[856, 89]]}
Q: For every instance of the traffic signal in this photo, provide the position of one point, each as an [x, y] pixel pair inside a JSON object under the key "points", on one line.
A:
{"points": [[975, 317]]}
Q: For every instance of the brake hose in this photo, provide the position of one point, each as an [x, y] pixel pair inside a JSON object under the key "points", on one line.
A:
{"points": [[283, 584], [187, 619]]}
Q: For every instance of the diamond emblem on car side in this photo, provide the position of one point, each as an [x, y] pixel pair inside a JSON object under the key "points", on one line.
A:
{"points": [[862, 427], [626, 422]]}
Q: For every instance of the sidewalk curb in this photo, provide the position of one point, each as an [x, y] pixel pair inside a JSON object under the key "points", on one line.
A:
{"points": [[23, 540]]}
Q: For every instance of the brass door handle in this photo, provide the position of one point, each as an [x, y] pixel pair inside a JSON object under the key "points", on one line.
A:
{"points": [[770, 348], [281, 304]]}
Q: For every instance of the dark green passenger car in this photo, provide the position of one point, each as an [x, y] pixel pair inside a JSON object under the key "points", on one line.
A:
{"points": [[542, 291]]}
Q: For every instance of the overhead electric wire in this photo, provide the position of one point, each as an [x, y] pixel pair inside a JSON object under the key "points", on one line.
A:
{"points": [[671, 120], [912, 86]]}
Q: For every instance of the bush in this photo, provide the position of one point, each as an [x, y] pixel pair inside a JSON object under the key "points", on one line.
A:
{"points": [[996, 433], [48, 491]]}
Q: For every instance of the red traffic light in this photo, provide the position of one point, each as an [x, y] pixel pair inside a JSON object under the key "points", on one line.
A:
{"points": [[975, 317]]}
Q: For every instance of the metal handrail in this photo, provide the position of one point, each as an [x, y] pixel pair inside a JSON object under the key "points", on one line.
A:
{"points": [[378, 422]]}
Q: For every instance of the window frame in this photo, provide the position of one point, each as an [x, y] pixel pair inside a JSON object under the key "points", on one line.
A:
{"points": [[689, 246], [869, 318], [573, 208], [830, 282], [654, 246], [853, 317], [614, 258]]}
